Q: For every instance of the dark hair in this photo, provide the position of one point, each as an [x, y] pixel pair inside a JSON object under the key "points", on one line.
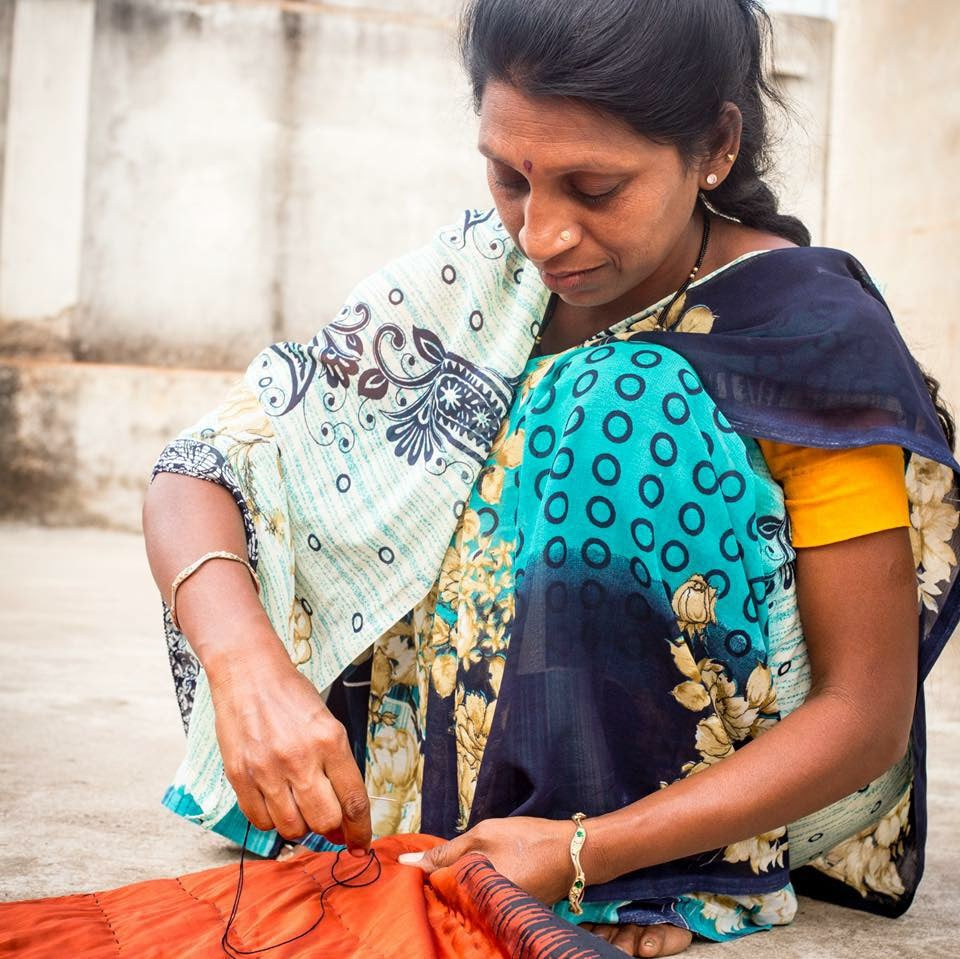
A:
{"points": [[947, 423], [665, 68]]}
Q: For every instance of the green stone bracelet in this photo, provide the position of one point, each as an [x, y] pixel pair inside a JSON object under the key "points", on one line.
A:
{"points": [[575, 896]]}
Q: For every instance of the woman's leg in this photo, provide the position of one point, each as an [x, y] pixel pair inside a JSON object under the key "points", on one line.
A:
{"points": [[650, 544]]}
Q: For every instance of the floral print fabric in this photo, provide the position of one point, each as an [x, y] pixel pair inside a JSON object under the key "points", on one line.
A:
{"points": [[375, 434], [436, 678]]}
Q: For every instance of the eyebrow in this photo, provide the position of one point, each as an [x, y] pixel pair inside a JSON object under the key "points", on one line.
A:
{"points": [[491, 154]]}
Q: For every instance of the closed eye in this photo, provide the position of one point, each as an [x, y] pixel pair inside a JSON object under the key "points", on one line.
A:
{"points": [[514, 186], [595, 198]]}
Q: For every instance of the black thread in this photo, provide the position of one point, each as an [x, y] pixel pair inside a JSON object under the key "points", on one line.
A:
{"points": [[350, 882]]}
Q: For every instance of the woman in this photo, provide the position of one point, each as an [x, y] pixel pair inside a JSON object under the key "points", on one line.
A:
{"points": [[612, 483]]}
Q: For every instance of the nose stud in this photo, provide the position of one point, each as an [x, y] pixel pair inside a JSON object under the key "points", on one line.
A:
{"points": [[564, 236]]}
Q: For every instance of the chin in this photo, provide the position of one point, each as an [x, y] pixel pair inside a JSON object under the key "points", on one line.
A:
{"points": [[586, 299]]}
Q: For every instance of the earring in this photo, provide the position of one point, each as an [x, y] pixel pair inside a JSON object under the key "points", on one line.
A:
{"points": [[731, 157], [712, 179], [564, 236]]}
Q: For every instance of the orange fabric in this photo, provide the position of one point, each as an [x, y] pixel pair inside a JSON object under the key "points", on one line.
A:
{"points": [[467, 911], [837, 494]]}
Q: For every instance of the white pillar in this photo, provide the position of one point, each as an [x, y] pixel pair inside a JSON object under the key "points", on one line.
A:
{"points": [[803, 50], [894, 190], [41, 215]]}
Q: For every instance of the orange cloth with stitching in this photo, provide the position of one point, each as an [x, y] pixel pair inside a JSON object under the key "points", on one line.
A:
{"points": [[833, 495], [465, 911]]}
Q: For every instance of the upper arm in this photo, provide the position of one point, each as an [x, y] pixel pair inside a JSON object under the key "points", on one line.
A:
{"points": [[858, 606], [856, 575]]}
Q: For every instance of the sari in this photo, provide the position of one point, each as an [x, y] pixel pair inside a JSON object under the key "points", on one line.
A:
{"points": [[360, 460]]}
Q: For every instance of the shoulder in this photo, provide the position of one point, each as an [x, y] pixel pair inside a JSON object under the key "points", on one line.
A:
{"points": [[815, 287], [737, 240]]}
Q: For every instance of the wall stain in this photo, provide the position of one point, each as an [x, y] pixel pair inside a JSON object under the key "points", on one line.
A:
{"points": [[292, 31], [36, 484], [130, 16]]}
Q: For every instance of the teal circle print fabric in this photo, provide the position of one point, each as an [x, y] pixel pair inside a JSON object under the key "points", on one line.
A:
{"points": [[648, 535]]}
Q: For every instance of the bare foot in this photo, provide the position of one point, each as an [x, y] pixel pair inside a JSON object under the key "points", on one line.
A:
{"points": [[659, 940]]}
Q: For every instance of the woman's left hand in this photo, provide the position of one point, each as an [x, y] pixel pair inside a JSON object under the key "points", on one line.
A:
{"points": [[533, 854]]}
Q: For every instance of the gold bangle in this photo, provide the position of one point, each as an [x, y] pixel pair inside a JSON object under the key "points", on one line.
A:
{"points": [[188, 571], [575, 896]]}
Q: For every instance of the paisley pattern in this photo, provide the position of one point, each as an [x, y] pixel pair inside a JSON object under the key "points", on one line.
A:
{"points": [[490, 245], [458, 406]]}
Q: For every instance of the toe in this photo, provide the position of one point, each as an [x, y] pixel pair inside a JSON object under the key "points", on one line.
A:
{"points": [[663, 940], [601, 929]]}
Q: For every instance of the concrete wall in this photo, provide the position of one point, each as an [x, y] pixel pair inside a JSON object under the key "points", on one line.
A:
{"points": [[250, 162], [6, 49], [184, 181], [78, 441], [803, 58], [894, 181], [43, 173], [247, 162]]}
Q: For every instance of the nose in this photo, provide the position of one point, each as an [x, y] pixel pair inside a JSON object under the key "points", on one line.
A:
{"points": [[544, 234]]}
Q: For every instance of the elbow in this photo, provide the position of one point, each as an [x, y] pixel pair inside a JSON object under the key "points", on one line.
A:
{"points": [[879, 731], [891, 735], [891, 746]]}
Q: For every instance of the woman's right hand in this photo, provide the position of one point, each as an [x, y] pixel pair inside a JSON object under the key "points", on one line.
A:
{"points": [[286, 756]]}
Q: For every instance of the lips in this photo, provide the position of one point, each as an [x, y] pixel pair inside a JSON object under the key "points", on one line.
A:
{"points": [[568, 280], [565, 273]]}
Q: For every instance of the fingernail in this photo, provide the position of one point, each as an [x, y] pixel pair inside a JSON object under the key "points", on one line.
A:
{"points": [[359, 853], [410, 858]]}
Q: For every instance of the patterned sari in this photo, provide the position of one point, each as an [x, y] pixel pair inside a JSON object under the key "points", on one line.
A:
{"points": [[575, 573], [619, 521]]}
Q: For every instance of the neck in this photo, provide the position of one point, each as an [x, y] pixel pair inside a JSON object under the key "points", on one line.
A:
{"points": [[571, 325]]}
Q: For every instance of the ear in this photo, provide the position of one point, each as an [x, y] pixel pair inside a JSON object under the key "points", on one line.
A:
{"points": [[724, 144]]}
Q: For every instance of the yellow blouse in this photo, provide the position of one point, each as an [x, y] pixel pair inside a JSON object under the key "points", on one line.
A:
{"points": [[837, 494]]}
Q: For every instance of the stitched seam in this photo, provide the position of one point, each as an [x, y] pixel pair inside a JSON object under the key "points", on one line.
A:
{"points": [[329, 905], [106, 919], [215, 908]]}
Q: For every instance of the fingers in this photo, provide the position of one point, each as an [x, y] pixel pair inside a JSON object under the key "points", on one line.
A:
{"points": [[318, 804], [318, 807], [251, 803], [350, 793], [297, 797], [446, 854], [284, 812], [336, 837]]}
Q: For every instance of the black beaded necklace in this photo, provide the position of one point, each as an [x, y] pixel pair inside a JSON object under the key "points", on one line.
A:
{"points": [[664, 313]]}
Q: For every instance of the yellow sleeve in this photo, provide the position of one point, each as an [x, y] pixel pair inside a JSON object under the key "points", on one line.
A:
{"points": [[833, 495]]}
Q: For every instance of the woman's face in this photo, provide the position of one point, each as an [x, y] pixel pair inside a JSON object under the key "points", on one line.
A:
{"points": [[560, 169]]}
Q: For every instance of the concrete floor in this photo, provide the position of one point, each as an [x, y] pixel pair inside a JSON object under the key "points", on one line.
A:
{"points": [[93, 734]]}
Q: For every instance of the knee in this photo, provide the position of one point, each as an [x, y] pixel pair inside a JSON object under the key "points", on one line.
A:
{"points": [[635, 389]]}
